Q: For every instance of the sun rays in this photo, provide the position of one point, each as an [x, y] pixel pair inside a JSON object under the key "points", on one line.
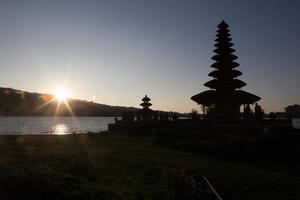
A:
{"points": [[59, 102], [62, 94]]}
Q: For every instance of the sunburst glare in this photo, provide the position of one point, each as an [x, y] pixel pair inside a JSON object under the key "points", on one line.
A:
{"points": [[60, 99], [62, 94]]}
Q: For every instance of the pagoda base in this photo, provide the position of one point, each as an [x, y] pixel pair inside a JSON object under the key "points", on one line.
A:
{"points": [[223, 112]]}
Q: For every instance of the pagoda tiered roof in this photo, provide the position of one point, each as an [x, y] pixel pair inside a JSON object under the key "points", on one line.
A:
{"points": [[225, 87], [146, 98], [209, 97], [223, 84], [228, 73], [146, 104]]}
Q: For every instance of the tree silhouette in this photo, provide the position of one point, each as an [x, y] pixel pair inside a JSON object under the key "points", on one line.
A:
{"points": [[247, 113], [258, 112]]}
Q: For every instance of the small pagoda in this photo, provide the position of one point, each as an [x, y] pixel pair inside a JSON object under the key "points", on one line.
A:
{"points": [[145, 113], [222, 102], [146, 102]]}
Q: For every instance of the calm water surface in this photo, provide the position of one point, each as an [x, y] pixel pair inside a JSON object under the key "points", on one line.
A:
{"points": [[61, 125], [296, 123], [53, 125]]}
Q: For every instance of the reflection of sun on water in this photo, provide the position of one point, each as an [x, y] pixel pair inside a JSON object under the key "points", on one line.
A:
{"points": [[60, 129]]}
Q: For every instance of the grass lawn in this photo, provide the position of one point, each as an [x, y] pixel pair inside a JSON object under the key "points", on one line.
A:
{"points": [[115, 167]]}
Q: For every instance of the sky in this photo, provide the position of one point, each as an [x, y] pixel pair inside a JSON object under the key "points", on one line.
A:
{"points": [[116, 51]]}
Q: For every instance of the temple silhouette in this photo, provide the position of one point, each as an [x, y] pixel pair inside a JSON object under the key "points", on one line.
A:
{"points": [[222, 105], [224, 99], [145, 114]]}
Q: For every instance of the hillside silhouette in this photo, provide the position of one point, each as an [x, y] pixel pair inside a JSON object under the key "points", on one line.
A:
{"points": [[21, 103]]}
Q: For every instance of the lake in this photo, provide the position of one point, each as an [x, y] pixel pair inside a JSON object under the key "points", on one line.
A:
{"points": [[53, 125], [296, 123], [60, 125]]}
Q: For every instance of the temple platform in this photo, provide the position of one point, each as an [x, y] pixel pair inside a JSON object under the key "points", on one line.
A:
{"points": [[194, 127]]}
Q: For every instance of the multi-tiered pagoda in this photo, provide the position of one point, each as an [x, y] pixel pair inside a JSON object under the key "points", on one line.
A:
{"points": [[146, 102], [146, 113], [224, 98]]}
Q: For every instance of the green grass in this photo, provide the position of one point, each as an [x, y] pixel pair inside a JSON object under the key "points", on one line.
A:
{"points": [[115, 167]]}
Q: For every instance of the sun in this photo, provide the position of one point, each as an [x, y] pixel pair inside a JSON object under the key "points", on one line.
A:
{"points": [[62, 94]]}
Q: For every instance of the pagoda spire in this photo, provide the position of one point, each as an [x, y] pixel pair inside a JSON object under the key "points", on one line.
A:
{"points": [[224, 97], [224, 74]]}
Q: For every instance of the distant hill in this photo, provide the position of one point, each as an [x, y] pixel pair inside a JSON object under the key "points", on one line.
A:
{"points": [[21, 103]]}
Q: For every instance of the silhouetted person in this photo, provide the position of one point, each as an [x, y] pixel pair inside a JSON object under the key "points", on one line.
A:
{"points": [[174, 117], [155, 116], [272, 116]]}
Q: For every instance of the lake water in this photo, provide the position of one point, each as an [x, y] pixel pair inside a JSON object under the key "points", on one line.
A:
{"points": [[60, 125], [296, 123], [53, 125]]}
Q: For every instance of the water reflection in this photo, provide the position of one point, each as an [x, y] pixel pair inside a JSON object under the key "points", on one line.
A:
{"points": [[60, 129], [47, 125]]}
